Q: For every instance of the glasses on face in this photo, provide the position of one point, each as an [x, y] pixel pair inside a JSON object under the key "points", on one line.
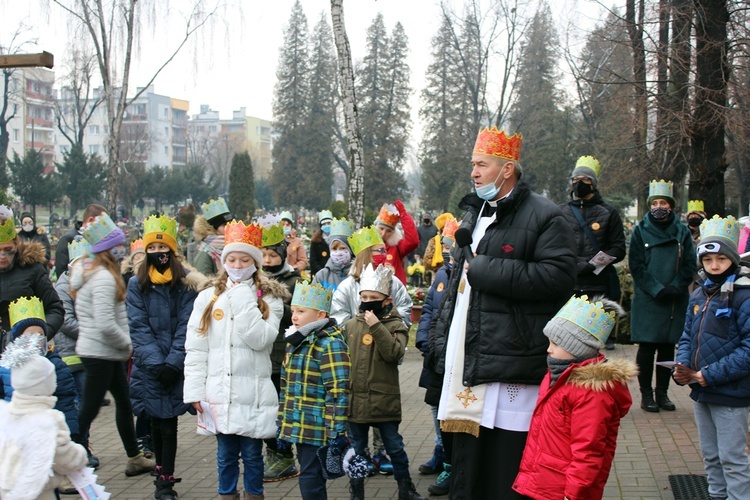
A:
{"points": [[380, 251], [583, 179]]}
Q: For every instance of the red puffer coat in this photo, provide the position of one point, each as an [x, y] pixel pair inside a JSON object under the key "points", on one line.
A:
{"points": [[573, 434]]}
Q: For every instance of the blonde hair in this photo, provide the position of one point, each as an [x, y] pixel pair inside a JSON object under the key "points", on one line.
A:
{"points": [[220, 286]]}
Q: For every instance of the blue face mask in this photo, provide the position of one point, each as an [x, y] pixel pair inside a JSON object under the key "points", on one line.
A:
{"points": [[489, 191], [287, 230], [326, 229]]}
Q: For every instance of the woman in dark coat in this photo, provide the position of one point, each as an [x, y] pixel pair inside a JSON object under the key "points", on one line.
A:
{"points": [[662, 263], [159, 303]]}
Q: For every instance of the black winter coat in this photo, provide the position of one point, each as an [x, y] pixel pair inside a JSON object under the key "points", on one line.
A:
{"points": [[28, 277], [523, 273], [319, 253], [605, 224]]}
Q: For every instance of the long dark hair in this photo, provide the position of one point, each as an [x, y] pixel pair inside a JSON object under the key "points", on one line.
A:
{"points": [[175, 264]]}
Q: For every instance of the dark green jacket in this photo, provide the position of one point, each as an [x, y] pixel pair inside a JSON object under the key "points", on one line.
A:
{"points": [[660, 255]]}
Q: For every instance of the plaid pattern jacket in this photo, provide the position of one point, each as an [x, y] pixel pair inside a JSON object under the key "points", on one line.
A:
{"points": [[315, 388]]}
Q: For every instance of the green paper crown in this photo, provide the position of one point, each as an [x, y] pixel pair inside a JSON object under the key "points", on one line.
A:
{"points": [[590, 162], [716, 227], [364, 238], [314, 296], [7, 231], [273, 235], [696, 206], [590, 316], [78, 249], [25, 308], [161, 224], [342, 227], [214, 208], [660, 188]]}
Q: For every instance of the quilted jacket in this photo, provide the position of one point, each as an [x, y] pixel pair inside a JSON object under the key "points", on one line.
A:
{"points": [[718, 343], [315, 388]]}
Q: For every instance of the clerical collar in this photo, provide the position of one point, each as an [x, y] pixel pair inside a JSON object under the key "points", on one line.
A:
{"points": [[490, 207]]}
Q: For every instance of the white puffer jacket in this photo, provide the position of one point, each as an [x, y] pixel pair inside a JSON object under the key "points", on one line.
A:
{"points": [[103, 331], [229, 366]]}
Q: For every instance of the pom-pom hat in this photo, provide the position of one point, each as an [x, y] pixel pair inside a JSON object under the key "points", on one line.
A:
{"points": [[246, 239], [31, 373]]}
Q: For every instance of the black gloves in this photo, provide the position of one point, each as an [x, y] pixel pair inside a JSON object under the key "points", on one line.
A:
{"points": [[168, 376], [584, 268], [668, 292]]}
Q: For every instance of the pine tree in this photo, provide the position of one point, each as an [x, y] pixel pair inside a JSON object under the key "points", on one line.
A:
{"points": [[317, 174], [538, 112], [242, 186], [290, 110], [28, 179], [82, 177]]}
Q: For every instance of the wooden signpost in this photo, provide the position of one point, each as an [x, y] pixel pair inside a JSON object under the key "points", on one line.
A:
{"points": [[43, 59]]}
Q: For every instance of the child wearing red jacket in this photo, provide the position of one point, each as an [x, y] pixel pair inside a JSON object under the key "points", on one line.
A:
{"points": [[398, 243], [573, 434]]}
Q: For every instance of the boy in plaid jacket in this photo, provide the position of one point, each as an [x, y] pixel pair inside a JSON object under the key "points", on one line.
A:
{"points": [[314, 384]]}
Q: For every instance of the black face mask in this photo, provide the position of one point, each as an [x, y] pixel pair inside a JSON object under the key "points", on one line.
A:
{"points": [[581, 189], [426, 222], [719, 279], [159, 260], [694, 221], [274, 269], [376, 307]]}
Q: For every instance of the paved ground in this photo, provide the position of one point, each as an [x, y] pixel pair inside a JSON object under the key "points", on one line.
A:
{"points": [[650, 448]]}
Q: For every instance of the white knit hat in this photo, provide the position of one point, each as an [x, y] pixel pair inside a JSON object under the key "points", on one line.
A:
{"points": [[36, 377]]}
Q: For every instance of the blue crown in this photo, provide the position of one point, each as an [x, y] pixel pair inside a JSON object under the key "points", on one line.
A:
{"points": [[286, 214], [591, 317], [99, 229], [324, 214], [342, 227], [78, 249], [716, 227], [214, 208], [660, 188], [314, 296]]}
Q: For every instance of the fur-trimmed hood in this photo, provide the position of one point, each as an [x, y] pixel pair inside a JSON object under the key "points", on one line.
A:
{"points": [[201, 228], [28, 253], [195, 280], [602, 375], [267, 285]]}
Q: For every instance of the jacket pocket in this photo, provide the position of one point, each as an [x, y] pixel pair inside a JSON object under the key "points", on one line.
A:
{"points": [[385, 400]]}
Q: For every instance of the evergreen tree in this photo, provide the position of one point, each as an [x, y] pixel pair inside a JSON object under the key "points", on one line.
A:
{"points": [[29, 181], [82, 177], [242, 186], [317, 171], [538, 112], [290, 109]]}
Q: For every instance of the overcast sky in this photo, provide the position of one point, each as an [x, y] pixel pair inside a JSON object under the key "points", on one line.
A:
{"points": [[233, 63]]}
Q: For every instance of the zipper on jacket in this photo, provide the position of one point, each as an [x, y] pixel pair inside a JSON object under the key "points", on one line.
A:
{"points": [[700, 330]]}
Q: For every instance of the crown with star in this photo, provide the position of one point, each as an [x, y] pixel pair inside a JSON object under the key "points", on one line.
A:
{"points": [[389, 215], [696, 206], [314, 296], [214, 208], [99, 229], [364, 238], [376, 279], [25, 308], [273, 235], [494, 142], [589, 162], [717, 227], [660, 188], [342, 227], [237, 232], [78, 248], [161, 224], [590, 316]]}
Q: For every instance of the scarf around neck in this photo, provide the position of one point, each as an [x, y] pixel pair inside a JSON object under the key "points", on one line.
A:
{"points": [[158, 278]]}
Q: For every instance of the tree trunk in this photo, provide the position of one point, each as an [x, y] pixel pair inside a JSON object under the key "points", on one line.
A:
{"points": [[709, 117], [355, 195]]}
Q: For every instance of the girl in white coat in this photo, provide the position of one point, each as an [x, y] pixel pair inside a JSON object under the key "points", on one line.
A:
{"points": [[229, 339]]}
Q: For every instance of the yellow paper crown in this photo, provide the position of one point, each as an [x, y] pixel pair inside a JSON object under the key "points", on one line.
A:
{"points": [[273, 235], [314, 296], [25, 308], [161, 224], [238, 232], [494, 142], [364, 238], [7, 231], [696, 206], [589, 162], [717, 227], [137, 246]]}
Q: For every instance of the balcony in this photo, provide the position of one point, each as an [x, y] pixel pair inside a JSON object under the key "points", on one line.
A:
{"points": [[39, 123]]}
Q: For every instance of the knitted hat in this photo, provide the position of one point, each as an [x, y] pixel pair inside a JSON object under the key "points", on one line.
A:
{"points": [[582, 327], [30, 373], [160, 230], [279, 248], [587, 166], [355, 466], [719, 235], [442, 219], [342, 239], [103, 234], [25, 312]]}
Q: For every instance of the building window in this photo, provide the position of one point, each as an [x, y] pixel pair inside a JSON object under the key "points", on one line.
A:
{"points": [[94, 149], [166, 150], [166, 112], [212, 128], [15, 135], [166, 132], [94, 129]]}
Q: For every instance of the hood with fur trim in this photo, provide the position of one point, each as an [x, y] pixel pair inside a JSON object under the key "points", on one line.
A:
{"points": [[28, 253], [201, 228], [603, 375]]}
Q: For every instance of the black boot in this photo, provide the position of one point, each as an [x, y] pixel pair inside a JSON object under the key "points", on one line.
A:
{"points": [[662, 400], [356, 489], [164, 487], [407, 490], [647, 401]]}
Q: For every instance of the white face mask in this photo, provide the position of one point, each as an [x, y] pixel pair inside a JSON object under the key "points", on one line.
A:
{"points": [[28, 227], [341, 257], [240, 275]]}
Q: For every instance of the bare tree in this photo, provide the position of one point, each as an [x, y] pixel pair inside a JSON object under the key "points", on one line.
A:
{"points": [[356, 201], [76, 105]]}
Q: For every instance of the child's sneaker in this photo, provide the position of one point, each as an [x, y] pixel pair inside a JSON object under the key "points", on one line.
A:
{"points": [[442, 484], [382, 463], [139, 464], [282, 468]]}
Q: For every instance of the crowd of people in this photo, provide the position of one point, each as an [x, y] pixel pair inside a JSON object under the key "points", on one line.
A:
{"points": [[524, 300]]}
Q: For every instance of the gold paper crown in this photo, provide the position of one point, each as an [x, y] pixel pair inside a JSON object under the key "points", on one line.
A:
{"points": [[314, 296], [658, 189], [696, 206], [494, 142], [450, 229], [273, 235], [238, 232], [364, 238], [389, 215], [7, 231], [717, 227], [161, 224], [25, 308], [137, 246], [589, 162]]}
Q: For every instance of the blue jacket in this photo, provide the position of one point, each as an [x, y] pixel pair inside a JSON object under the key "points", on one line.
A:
{"points": [[65, 391], [429, 309], [158, 318], [716, 340]]}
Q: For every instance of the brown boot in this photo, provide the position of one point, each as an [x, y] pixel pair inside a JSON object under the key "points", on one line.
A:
{"points": [[248, 496]]}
